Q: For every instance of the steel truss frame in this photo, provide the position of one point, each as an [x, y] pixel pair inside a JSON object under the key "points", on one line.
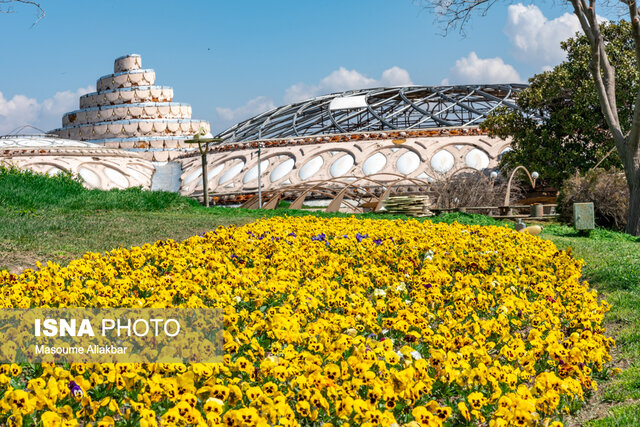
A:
{"points": [[408, 107]]}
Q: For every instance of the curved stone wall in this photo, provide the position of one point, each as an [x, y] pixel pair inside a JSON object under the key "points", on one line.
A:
{"points": [[99, 167], [236, 171]]}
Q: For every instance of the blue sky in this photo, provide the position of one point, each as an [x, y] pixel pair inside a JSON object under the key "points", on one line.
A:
{"points": [[231, 60]]}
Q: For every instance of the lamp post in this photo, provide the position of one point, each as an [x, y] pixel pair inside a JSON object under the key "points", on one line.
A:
{"points": [[260, 145], [203, 139], [532, 178], [493, 176]]}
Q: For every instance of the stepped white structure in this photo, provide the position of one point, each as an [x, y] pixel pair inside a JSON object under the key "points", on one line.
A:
{"points": [[128, 111]]}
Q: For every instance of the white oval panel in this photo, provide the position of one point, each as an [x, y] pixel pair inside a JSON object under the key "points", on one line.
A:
{"points": [[374, 164], [442, 161], [31, 143], [253, 172], [137, 175], [282, 169], [116, 177], [54, 171], [197, 174], [423, 175], [477, 159], [215, 171], [342, 165], [408, 162], [192, 176], [231, 172], [89, 177], [310, 168], [502, 153]]}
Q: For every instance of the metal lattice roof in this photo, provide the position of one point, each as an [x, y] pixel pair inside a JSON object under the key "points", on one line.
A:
{"points": [[42, 140], [378, 109]]}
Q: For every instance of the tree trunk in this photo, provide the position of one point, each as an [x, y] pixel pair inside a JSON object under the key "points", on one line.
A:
{"points": [[633, 218]]}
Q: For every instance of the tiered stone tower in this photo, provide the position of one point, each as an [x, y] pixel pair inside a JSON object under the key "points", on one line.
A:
{"points": [[128, 111]]}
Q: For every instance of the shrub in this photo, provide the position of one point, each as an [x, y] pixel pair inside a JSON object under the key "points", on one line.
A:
{"points": [[472, 189], [608, 191]]}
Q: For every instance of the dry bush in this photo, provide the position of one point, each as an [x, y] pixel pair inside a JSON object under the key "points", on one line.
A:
{"points": [[472, 190], [608, 191]]}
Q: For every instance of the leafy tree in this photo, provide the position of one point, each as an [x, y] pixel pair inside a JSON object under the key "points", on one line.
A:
{"points": [[561, 128], [456, 13]]}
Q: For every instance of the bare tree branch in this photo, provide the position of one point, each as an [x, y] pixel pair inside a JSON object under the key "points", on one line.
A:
{"points": [[456, 14], [9, 9]]}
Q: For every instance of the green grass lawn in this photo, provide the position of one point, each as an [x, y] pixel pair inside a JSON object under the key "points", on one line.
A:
{"points": [[57, 219], [613, 268]]}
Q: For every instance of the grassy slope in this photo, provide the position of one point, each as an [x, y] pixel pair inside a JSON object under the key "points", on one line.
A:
{"points": [[613, 268], [56, 219]]}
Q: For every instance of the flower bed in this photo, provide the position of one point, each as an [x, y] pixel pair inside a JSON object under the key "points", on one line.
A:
{"points": [[331, 321]]}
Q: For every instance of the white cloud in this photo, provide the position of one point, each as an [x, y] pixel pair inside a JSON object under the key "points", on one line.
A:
{"points": [[536, 39], [396, 76], [342, 80], [299, 92], [251, 108], [17, 111], [473, 69], [21, 110]]}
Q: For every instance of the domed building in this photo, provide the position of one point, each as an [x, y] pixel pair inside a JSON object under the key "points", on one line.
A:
{"points": [[370, 138]]}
